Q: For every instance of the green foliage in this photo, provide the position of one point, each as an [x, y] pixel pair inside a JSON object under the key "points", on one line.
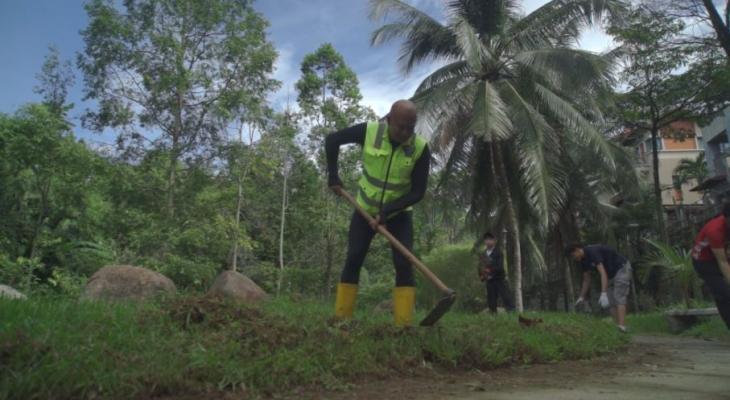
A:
{"points": [[20, 273], [676, 262], [62, 348], [190, 69], [456, 266], [328, 90], [666, 80], [516, 113], [692, 169], [55, 79]]}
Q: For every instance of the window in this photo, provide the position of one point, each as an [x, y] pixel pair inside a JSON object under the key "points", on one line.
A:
{"points": [[700, 143], [659, 145]]}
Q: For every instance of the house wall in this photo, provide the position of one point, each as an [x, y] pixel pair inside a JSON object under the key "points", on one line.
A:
{"points": [[671, 152]]}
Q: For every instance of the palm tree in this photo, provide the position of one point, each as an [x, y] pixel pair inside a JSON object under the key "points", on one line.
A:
{"points": [[676, 262], [692, 169], [512, 103]]}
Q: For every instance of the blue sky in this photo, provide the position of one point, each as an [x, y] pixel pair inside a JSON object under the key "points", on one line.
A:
{"points": [[297, 27]]}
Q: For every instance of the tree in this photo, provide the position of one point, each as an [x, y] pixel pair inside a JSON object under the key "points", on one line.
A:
{"points": [[179, 67], [48, 181], [664, 84], [511, 98], [692, 169], [54, 80], [329, 97], [703, 11], [328, 93]]}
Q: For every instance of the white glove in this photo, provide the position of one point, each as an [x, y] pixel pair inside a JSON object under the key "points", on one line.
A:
{"points": [[603, 300], [579, 301]]}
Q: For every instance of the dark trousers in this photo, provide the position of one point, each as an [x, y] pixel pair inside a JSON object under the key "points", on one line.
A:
{"points": [[358, 243], [710, 272], [497, 288]]}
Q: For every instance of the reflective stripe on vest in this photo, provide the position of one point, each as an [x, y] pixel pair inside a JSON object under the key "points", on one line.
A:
{"points": [[377, 154]]}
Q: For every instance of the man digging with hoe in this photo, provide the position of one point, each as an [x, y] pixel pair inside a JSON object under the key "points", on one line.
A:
{"points": [[395, 167]]}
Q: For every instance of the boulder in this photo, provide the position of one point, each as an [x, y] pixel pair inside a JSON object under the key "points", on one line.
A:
{"points": [[237, 286], [125, 282], [10, 293]]}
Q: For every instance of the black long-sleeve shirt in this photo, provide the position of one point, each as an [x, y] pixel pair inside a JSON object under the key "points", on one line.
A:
{"points": [[356, 134], [495, 264]]}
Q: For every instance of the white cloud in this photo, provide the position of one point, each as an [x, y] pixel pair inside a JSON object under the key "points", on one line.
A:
{"points": [[286, 71], [381, 87]]}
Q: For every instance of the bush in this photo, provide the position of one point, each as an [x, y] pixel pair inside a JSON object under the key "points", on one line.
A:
{"points": [[264, 273], [186, 273], [21, 274], [456, 266], [303, 280], [374, 289]]}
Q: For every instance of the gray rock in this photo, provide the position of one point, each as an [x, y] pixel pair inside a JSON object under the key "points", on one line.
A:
{"points": [[125, 282], [237, 286], [10, 293]]}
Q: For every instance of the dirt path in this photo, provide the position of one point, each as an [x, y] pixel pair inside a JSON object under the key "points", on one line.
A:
{"points": [[666, 368]]}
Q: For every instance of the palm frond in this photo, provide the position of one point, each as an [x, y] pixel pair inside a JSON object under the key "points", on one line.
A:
{"points": [[471, 48], [488, 17], [489, 115], [676, 261], [457, 70], [534, 141], [572, 70], [423, 37], [575, 123], [559, 22], [440, 102]]}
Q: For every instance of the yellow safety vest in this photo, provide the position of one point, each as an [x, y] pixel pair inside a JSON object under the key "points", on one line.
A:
{"points": [[386, 174]]}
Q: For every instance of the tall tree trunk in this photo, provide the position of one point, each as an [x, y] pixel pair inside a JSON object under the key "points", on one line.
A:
{"points": [[239, 196], [328, 247], [45, 189], [722, 31], [239, 202], [514, 227], [284, 200], [658, 209], [171, 178], [567, 276]]}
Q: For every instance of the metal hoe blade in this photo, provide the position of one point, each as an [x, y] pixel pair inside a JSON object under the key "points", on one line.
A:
{"points": [[443, 306]]}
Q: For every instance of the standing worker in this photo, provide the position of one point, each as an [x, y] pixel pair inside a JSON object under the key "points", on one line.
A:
{"points": [[710, 261], [395, 167], [492, 271], [615, 271]]}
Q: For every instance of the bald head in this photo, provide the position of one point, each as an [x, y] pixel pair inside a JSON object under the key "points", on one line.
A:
{"points": [[402, 120]]}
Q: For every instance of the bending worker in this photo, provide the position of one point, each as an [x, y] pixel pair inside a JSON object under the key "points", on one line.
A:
{"points": [[395, 167], [615, 272]]}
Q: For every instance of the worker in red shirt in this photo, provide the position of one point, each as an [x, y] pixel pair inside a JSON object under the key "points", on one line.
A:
{"points": [[711, 263]]}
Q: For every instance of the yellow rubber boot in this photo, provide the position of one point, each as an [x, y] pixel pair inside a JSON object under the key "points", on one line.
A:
{"points": [[404, 301], [345, 302]]}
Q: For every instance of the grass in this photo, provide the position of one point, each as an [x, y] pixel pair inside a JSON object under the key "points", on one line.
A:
{"points": [[59, 348], [656, 324]]}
